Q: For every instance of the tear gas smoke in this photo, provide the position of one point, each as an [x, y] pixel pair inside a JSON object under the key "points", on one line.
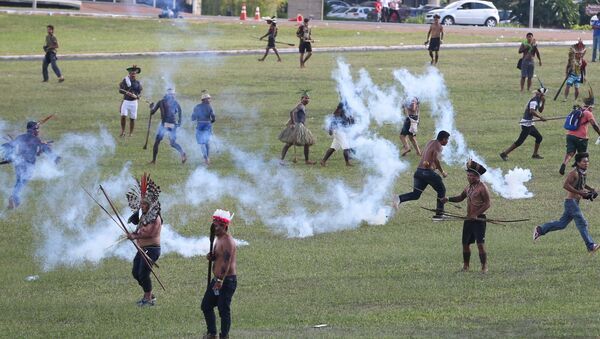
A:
{"points": [[430, 88]]}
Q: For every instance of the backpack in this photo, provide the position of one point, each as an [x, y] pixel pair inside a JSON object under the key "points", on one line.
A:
{"points": [[573, 120]]}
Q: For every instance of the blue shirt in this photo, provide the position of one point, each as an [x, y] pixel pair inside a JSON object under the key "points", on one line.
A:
{"points": [[596, 30], [203, 113]]}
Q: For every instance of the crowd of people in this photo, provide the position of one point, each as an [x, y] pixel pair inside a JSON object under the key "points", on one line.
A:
{"points": [[23, 150]]}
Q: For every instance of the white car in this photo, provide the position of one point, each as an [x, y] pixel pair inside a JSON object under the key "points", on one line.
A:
{"points": [[466, 12], [359, 13], [338, 12]]}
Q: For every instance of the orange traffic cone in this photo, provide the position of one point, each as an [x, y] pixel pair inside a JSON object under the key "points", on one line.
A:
{"points": [[257, 13], [299, 18], [243, 13]]}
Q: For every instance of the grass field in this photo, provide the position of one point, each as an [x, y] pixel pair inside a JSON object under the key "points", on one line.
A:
{"points": [[396, 280], [25, 35]]}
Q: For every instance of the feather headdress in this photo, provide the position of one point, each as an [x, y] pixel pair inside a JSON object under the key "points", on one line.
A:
{"points": [[304, 93], [146, 191], [223, 216]]}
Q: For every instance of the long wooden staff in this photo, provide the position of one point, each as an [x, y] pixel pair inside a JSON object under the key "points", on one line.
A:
{"points": [[560, 89], [133, 95], [212, 240], [148, 131], [551, 118], [43, 121], [144, 255]]}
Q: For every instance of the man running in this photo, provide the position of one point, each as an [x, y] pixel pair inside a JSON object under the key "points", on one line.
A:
{"points": [[425, 175], [577, 188], [534, 108], [170, 120], [204, 116], [337, 129], [410, 127]]}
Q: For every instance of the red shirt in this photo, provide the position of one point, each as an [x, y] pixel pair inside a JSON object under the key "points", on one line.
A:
{"points": [[378, 7], [582, 131]]}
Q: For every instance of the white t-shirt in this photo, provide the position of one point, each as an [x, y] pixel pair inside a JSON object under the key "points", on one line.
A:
{"points": [[385, 3]]}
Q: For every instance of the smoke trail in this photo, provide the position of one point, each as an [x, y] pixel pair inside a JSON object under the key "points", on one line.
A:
{"points": [[70, 229], [429, 88]]}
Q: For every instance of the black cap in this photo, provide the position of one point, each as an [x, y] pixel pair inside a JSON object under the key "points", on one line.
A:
{"points": [[32, 125]]}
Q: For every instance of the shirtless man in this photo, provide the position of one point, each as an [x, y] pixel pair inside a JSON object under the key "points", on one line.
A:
{"points": [[435, 36], [147, 236], [478, 201], [529, 50], [409, 129], [577, 188], [222, 287], [425, 175]]}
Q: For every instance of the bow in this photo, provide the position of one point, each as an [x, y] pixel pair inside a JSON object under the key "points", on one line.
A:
{"points": [[149, 262], [491, 221]]}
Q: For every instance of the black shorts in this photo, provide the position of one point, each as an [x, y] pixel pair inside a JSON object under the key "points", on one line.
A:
{"points": [[406, 127], [575, 144], [305, 46], [527, 131], [271, 43], [434, 44], [474, 231]]}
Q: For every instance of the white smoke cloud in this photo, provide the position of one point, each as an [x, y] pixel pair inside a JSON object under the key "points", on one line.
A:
{"points": [[430, 88]]}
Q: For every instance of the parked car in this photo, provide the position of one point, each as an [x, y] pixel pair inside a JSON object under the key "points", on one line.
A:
{"points": [[333, 4], [358, 13], [422, 10], [338, 12], [466, 12], [506, 16]]}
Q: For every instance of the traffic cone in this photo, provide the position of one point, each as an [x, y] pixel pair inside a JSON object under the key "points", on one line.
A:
{"points": [[257, 13], [299, 18], [243, 13]]}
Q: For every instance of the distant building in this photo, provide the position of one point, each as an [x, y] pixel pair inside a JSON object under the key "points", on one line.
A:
{"points": [[306, 8]]}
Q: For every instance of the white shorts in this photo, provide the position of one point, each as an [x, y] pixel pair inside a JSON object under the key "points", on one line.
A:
{"points": [[340, 141], [129, 108]]}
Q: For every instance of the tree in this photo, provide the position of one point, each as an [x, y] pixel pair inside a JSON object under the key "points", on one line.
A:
{"points": [[548, 13]]}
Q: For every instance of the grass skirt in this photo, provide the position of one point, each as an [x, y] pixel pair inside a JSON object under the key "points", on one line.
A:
{"points": [[299, 135]]}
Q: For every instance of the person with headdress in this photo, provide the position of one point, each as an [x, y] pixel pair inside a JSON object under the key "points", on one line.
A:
{"points": [[221, 288], [338, 126], [410, 127], [131, 89], [22, 152], [50, 55], [271, 34], [478, 201], [529, 49], [295, 132], [576, 186], [143, 200], [170, 120], [304, 33], [577, 139], [425, 175], [204, 116], [575, 72], [534, 108]]}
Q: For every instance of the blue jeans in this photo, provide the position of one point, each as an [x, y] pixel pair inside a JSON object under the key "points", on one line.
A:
{"points": [[571, 212], [421, 179], [223, 304], [24, 172], [596, 46], [50, 59]]}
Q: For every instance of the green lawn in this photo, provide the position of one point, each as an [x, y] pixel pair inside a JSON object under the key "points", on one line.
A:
{"points": [[396, 280], [24, 34]]}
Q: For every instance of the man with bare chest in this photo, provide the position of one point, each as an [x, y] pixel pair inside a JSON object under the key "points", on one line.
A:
{"points": [[222, 287], [425, 175], [478, 201], [434, 38]]}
